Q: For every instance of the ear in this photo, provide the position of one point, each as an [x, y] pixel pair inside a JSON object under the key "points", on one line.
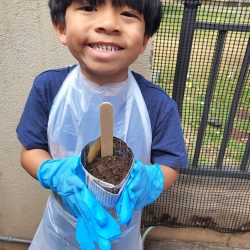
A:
{"points": [[145, 43], [61, 32]]}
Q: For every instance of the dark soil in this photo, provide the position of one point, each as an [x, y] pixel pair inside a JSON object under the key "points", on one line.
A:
{"points": [[243, 114], [240, 136], [111, 169]]}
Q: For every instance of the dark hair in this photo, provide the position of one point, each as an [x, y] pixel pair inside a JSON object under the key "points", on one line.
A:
{"points": [[150, 9]]}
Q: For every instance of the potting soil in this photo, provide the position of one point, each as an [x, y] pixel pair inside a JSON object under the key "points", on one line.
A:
{"points": [[111, 169]]}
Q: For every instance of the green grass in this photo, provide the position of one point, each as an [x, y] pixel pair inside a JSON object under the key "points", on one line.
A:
{"points": [[172, 18], [219, 15], [165, 54]]}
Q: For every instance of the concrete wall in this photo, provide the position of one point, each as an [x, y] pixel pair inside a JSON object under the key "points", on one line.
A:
{"points": [[28, 47]]}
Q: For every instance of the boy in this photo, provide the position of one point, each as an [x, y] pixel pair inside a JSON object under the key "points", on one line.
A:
{"points": [[106, 37]]}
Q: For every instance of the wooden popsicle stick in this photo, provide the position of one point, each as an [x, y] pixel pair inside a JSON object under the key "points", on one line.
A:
{"points": [[106, 120]]}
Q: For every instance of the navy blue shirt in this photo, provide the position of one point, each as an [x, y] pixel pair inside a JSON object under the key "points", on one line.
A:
{"points": [[168, 147]]}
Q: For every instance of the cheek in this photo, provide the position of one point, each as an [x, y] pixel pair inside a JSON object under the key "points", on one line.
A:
{"points": [[138, 38], [75, 27], [138, 45], [75, 37]]}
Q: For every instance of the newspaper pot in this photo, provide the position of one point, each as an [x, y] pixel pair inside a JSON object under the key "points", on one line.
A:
{"points": [[106, 193]]}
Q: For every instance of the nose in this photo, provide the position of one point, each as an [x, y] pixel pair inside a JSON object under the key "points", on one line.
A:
{"points": [[108, 23]]}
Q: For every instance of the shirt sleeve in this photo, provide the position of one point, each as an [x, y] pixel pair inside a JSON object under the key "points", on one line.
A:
{"points": [[168, 146], [32, 128]]}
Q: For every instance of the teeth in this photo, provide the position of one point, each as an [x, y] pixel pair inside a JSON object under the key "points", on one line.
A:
{"points": [[108, 48]]}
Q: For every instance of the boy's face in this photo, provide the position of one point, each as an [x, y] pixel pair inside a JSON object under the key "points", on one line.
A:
{"points": [[105, 40]]}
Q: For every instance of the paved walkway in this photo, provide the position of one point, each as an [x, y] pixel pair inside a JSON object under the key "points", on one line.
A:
{"points": [[161, 238], [174, 245]]}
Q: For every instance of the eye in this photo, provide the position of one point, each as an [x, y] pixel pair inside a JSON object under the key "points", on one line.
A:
{"points": [[87, 8], [129, 14]]}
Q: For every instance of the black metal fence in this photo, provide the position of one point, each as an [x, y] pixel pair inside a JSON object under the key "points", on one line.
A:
{"points": [[201, 58]]}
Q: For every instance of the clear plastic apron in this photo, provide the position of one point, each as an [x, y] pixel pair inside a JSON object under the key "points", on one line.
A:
{"points": [[73, 123]]}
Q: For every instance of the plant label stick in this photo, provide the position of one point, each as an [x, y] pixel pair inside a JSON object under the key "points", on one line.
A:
{"points": [[106, 120]]}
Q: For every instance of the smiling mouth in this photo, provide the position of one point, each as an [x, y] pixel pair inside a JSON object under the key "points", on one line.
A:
{"points": [[105, 47]]}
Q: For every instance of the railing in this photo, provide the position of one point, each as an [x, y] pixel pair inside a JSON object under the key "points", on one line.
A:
{"points": [[201, 58], [189, 25]]}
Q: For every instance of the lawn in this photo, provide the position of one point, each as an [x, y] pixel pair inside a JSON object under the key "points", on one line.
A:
{"points": [[173, 13], [164, 61]]}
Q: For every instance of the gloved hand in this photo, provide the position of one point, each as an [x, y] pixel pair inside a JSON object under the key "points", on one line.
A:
{"points": [[144, 185], [94, 223]]}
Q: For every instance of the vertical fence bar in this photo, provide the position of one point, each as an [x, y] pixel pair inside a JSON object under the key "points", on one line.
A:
{"points": [[184, 51], [245, 159], [209, 94], [234, 106]]}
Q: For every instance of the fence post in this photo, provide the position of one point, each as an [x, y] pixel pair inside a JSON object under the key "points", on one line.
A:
{"points": [[184, 51], [235, 102], [209, 93]]}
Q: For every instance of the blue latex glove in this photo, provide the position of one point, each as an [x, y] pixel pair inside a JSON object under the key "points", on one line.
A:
{"points": [[94, 223], [144, 185]]}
